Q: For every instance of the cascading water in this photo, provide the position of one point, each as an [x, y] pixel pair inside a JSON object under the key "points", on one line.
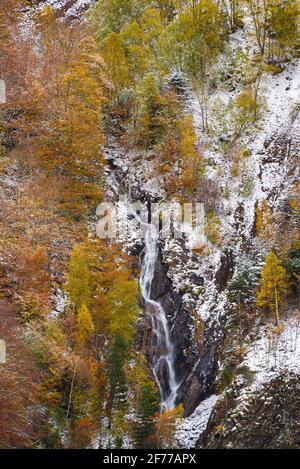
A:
{"points": [[164, 356]]}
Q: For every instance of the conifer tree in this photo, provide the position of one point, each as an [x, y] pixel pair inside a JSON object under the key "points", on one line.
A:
{"points": [[117, 397], [147, 410], [273, 285], [145, 402]]}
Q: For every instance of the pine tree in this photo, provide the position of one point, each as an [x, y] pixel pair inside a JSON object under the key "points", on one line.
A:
{"points": [[273, 285], [239, 293], [145, 401], [147, 410], [117, 397]]}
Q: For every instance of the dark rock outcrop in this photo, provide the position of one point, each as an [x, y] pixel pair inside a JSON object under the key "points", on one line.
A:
{"points": [[200, 383], [225, 272]]}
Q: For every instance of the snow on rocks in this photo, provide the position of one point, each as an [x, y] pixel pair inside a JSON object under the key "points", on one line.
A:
{"points": [[189, 430], [72, 9], [273, 352], [273, 356], [60, 303]]}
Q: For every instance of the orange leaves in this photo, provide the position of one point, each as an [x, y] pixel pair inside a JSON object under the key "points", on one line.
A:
{"points": [[82, 432], [166, 426], [18, 391]]}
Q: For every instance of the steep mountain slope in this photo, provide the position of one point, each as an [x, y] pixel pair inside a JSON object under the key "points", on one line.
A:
{"points": [[269, 172], [195, 293], [197, 357]]}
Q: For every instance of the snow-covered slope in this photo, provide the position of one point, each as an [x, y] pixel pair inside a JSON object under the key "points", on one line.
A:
{"points": [[71, 9]]}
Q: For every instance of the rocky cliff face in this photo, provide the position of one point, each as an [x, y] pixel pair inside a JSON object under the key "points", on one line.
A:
{"points": [[193, 288], [269, 420]]}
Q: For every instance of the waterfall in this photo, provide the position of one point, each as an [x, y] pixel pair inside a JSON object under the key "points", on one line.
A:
{"points": [[164, 357]]}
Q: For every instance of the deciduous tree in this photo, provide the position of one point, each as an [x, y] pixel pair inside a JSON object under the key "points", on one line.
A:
{"points": [[273, 285]]}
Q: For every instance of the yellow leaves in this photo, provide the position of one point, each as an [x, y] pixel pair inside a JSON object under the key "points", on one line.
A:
{"points": [[219, 430], [85, 325], [151, 24], [116, 61], [137, 375], [78, 278], [188, 140], [54, 335], [265, 222], [123, 303], [194, 38], [100, 278], [246, 109], [274, 285], [167, 424], [191, 161], [294, 200]]}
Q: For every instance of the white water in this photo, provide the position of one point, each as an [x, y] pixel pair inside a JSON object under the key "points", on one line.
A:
{"points": [[163, 361]]}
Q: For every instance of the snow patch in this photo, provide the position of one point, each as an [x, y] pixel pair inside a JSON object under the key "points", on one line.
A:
{"points": [[274, 353], [191, 428]]}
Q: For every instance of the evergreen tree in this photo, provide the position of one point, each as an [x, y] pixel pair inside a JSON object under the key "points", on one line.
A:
{"points": [[117, 398], [240, 292], [147, 410]]}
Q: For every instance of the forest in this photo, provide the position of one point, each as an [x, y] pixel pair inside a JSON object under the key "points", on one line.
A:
{"points": [[188, 101]]}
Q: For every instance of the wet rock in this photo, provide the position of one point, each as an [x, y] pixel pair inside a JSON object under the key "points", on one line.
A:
{"points": [[225, 272], [200, 383]]}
